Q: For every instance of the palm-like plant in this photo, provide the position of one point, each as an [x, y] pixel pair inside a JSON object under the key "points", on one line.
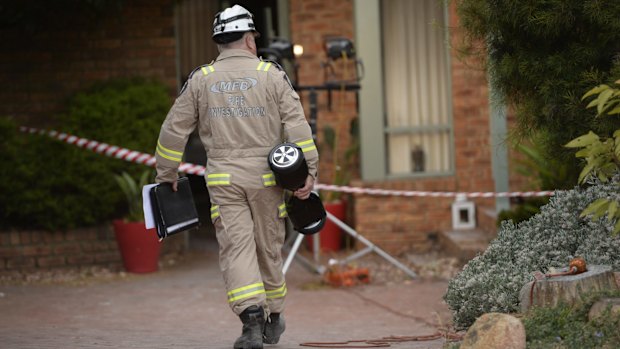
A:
{"points": [[133, 193]]}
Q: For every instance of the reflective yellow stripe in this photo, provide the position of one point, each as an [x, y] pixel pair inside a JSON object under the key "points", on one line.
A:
{"points": [[220, 179], [207, 69], [247, 295], [218, 175], [269, 180], [264, 66], [237, 290], [282, 210], [215, 211], [246, 291], [308, 149], [168, 153], [173, 152], [306, 145], [277, 293], [165, 156]]}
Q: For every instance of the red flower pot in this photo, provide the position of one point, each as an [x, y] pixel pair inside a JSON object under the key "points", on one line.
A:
{"points": [[331, 234], [139, 246]]}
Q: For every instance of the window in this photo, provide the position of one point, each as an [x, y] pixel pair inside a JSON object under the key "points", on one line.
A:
{"points": [[418, 124]]}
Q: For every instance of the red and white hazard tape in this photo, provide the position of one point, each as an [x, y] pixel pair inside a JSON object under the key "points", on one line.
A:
{"points": [[112, 150], [435, 194], [149, 160]]}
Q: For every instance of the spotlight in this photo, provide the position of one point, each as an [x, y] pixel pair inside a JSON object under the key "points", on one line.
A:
{"points": [[298, 50], [338, 47], [278, 50]]}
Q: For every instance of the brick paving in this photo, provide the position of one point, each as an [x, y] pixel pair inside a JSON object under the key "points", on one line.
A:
{"points": [[185, 307]]}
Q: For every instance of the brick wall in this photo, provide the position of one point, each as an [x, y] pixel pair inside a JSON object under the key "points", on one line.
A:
{"points": [[311, 22], [42, 65], [29, 250], [24, 251], [400, 224]]}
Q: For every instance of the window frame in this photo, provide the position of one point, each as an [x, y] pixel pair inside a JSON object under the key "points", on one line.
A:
{"points": [[373, 112]]}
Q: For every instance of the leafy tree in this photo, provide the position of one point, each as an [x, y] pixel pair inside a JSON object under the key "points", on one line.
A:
{"points": [[602, 155], [542, 56]]}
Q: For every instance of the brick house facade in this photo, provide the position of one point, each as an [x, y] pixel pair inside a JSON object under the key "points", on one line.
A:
{"points": [[40, 69], [399, 224], [141, 41]]}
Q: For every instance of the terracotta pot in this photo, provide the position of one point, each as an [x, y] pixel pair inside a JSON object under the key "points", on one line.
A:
{"points": [[331, 234], [139, 246]]}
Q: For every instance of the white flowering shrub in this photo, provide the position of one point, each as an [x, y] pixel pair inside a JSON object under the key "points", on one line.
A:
{"points": [[491, 282]]}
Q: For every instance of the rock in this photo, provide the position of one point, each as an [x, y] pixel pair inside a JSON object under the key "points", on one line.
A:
{"points": [[551, 290], [495, 330], [599, 307]]}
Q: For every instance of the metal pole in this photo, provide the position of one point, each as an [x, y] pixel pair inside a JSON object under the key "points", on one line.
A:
{"points": [[374, 247], [319, 269], [291, 255]]}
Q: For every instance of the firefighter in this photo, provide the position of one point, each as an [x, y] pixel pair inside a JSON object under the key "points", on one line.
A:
{"points": [[242, 107]]}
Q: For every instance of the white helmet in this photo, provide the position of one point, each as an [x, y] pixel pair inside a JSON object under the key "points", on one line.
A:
{"points": [[233, 20]]}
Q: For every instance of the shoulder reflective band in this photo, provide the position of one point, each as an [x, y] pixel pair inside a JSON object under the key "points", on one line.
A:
{"points": [[282, 211], [207, 69], [277, 293], [215, 211], [306, 145], [246, 292], [168, 153], [269, 180], [264, 66], [218, 179]]}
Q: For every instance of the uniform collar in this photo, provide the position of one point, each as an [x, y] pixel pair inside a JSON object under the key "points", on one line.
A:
{"points": [[234, 52]]}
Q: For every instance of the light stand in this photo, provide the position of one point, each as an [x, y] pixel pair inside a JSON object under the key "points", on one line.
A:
{"points": [[336, 48]]}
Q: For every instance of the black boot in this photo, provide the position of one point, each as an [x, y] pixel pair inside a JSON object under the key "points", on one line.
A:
{"points": [[253, 320], [274, 327]]}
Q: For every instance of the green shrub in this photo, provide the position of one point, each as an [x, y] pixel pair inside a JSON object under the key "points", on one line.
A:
{"points": [[48, 184], [542, 56], [543, 172], [568, 327], [491, 282]]}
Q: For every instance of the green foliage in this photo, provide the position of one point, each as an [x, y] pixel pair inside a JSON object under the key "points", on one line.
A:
{"points": [[48, 184], [602, 155], [491, 282], [568, 327], [523, 210], [544, 173], [543, 55], [343, 161], [133, 193]]}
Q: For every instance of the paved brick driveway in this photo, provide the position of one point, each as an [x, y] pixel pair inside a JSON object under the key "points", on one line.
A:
{"points": [[185, 307]]}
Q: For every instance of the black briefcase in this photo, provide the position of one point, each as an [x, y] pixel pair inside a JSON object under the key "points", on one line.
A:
{"points": [[174, 212]]}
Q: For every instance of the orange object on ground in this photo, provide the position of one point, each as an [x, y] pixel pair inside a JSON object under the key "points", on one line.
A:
{"points": [[347, 276]]}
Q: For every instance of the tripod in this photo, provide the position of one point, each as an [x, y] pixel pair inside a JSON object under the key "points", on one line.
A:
{"points": [[297, 238]]}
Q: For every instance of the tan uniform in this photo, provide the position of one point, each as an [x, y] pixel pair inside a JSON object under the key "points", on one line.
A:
{"points": [[243, 107]]}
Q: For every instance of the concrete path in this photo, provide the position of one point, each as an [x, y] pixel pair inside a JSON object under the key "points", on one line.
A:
{"points": [[185, 307]]}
